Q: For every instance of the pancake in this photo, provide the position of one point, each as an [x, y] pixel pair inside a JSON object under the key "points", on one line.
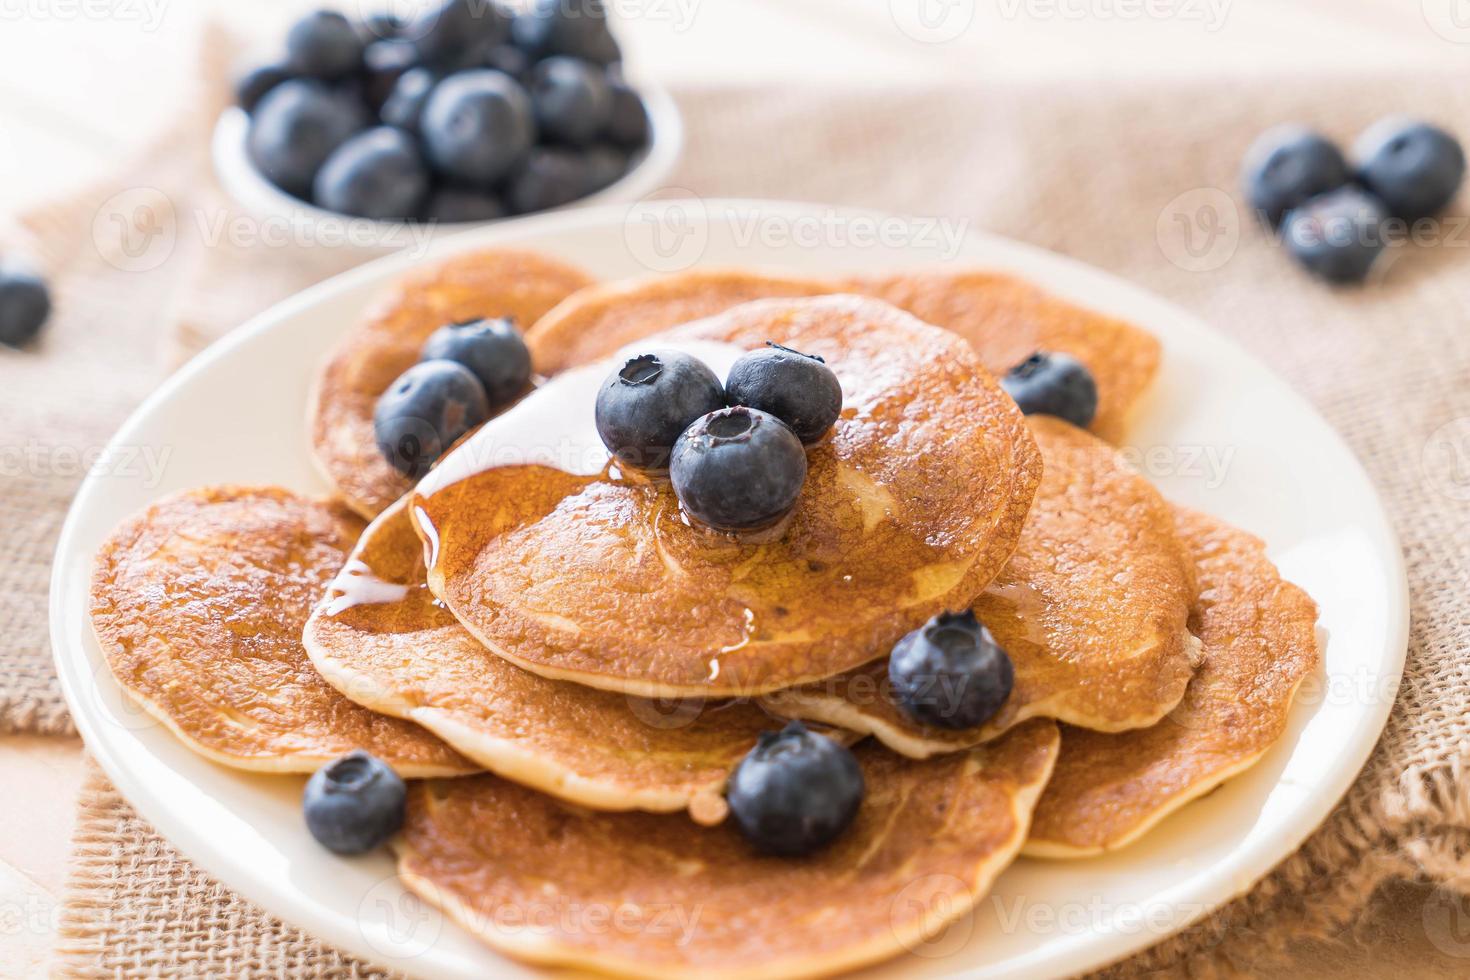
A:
{"points": [[382, 640], [581, 572], [1092, 609], [522, 285], [198, 605], [650, 895], [600, 320], [1006, 319], [1260, 642]]}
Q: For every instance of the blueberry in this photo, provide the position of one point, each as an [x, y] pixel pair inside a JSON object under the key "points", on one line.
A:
{"points": [[25, 303], [549, 178], [571, 99], [627, 122], [295, 128], [645, 405], [446, 33], [602, 165], [454, 204], [950, 672], [1414, 168], [376, 174], [738, 469], [1048, 383], [425, 411], [1338, 235], [795, 792], [383, 63], [354, 803], [493, 351], [323, 44], [404, 106], [577, 28], [799, 389], [253, 86], [478, 125], [1288, 164]]}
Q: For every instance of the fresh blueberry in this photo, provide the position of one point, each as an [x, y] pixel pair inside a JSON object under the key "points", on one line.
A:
{"points": [[446, 34], [383, 63], [799, 389], [577, 28], [738, 469], [549, 178], [627, 121], [602, 166], [478, 125], [354, 803], [25, 303], [454, 204], [1049, 383], [1414, 168], [795, 792], [1288, 164], [493, 351], [295, 128], [1338, 235], [425, 411], [404, 106], [253, 86], [950, 672], [509, 59], [325, 45], [378, 173], [571, 98], [645, 405]]}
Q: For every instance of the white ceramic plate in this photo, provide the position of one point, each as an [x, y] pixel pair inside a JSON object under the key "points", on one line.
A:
{"points": [[1219, 432]]}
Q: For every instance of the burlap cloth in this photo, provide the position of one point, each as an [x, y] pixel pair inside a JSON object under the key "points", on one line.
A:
{"points": [[1116, 174]]}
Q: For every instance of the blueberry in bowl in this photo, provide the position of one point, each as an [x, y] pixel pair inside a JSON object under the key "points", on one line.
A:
{"points": [[354, 804], [799, 389], [645, 405], [1337, 236], [492, 350], [1289, 164], [738, 469], [425, 411], [379, 173], [950, 672], [25, 305], [1051, 383], [1413, 167], [795, 792], [510, 118]]}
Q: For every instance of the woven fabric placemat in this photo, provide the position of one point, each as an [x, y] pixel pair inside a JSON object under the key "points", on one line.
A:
{"points": [[1055, 164]]}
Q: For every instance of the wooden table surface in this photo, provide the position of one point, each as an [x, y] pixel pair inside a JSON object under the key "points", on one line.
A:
{"points": [[77, 91]]}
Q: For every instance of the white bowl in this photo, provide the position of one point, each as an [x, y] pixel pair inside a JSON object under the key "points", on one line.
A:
{"points": [[250, 189]]}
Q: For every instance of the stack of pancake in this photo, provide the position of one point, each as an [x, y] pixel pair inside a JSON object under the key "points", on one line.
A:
{"points": [[589, 667]]}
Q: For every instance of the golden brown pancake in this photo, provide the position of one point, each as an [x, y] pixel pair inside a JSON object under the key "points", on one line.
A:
{"points": [[1006, 319], [1260, 642], [600, 320], [652, 895], [381, 638], [911, 505], [521, 285], [198, 605], [1092, 609]]}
